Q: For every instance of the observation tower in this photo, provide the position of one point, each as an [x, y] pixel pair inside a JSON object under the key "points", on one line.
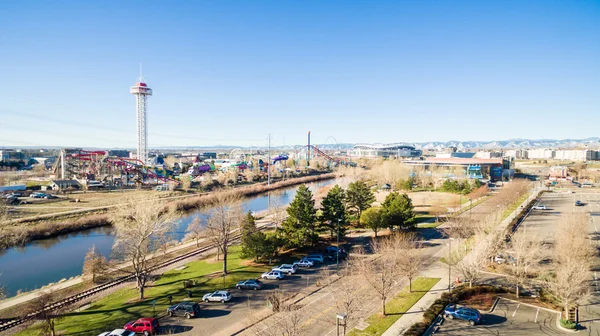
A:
{"points": [[141, 91]]}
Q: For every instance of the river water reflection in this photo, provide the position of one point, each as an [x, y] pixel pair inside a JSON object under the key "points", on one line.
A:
{"points": [[50, 260]]}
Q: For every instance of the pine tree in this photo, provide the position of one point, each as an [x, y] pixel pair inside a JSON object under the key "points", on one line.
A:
{"points": [[398, 210], [299, 227], [333, 212], [359, 197]]}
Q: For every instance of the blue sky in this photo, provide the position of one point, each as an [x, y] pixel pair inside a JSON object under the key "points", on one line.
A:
{"points": [[230, 72]]}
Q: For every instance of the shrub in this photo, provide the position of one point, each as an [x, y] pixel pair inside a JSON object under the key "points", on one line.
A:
{"points": [[568, 324]]}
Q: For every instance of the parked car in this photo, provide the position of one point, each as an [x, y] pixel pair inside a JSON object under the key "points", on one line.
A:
{"points": [[186, 309], [145, 325], [118, 332], [286, 269], [540, 207], [500, 259], [315, 258], [37, 195], [304, 263], [218, 296], [578, 203], [249, 284], [273, 275], [471, 315], [48, 196]]}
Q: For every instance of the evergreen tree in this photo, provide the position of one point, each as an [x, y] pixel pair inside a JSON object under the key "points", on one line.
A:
{"points": [[333, 212], [248, 225], [359, 197], [299, 227], [398, 210]]}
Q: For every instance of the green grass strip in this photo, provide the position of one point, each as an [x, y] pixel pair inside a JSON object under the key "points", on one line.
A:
{"points": [[396, 307]]}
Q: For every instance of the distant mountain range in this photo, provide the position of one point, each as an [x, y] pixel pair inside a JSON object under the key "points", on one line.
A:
{"points": [[513, 144], [592, 143]]}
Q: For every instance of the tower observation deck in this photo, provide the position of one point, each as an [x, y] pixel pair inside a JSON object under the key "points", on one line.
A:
{"points": [[141, 91]]}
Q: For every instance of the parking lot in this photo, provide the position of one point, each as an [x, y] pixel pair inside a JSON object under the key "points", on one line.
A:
{"points": [[507, 318], [221, 318]]}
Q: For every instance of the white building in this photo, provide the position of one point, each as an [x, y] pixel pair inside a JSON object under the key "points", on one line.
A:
{"points": [[488, 155], [541, 153], [387, 150], [516, 153], [576, 155]]}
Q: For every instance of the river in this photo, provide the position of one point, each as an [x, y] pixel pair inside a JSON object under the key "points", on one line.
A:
{"points": [[49, 260]]}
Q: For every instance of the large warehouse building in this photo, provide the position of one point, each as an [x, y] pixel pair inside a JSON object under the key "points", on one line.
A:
{"points": [[492, 169], [384, 150]]}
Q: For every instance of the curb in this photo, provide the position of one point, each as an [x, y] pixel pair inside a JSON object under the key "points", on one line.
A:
{"points": [[494, 305]]}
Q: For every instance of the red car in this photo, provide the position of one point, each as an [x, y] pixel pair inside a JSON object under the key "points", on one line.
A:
{"points": [[146, 326]]}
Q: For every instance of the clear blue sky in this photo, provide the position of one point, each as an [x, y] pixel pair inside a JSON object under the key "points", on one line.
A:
{"points": [[230, 72]]}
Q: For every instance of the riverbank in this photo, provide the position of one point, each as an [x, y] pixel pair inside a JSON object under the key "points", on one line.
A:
{"points": [[18, 235]]}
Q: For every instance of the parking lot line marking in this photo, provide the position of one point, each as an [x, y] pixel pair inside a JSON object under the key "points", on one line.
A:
{"points": [[513, 315], [536, 315]]}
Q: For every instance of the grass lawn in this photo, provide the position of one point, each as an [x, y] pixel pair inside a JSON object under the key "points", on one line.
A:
{"points": [[396, 307], [514, 206], [114, 310]]}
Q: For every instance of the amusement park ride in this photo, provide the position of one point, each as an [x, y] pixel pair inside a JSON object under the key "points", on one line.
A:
{"points": [[117, 171]]}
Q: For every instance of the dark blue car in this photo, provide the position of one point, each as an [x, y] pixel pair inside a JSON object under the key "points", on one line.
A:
{"points": [[471, 315]]}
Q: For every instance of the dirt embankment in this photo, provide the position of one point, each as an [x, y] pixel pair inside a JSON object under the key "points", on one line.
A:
{"points": [[21, 234]]}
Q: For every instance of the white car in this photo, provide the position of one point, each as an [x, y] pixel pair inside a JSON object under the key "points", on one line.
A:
{"points": [[118, 332], [273, 275], [218, 296], [286, 269], [304, 263], [540, 207]]}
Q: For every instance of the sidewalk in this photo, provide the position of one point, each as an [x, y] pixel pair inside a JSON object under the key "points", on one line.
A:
{"points": [[439, 270], [415, 313]]}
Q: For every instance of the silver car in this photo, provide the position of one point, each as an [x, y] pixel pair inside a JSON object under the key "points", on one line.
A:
{"points": [[273, 275], [218, 296], [286, 269]]}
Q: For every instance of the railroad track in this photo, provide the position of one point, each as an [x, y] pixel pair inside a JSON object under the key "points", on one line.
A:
{"points": [[11, 323]]}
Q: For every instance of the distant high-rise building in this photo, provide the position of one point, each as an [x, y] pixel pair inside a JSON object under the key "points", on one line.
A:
{"points": [[141, 92]]}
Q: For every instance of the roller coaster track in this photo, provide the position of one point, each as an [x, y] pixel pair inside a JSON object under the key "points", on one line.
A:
{"points": [[11, 323], [323, 154]]}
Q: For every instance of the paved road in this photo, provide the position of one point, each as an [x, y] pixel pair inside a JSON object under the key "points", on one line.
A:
{"points": [[508, 318]]}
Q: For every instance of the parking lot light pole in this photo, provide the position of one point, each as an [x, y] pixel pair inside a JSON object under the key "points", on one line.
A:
{"points": [[339, 317], [337, 254]]}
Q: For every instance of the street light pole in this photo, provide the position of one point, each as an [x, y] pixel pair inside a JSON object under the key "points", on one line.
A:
{"points": [[337, 264]]}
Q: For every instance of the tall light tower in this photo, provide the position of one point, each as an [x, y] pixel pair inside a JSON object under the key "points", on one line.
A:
{"points": [[141, 92]]}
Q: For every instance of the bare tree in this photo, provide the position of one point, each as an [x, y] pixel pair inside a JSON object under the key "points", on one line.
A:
{"points": [[186, 181], [382, 272], [207, 181], [195, 231], [573, 256], [224, 218], [95, 264], [287, 321], [47, 317], [140, 229], [461, 227], [410, 257], [437, 211], [526, 251], [570, 284], [348, 295]]}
